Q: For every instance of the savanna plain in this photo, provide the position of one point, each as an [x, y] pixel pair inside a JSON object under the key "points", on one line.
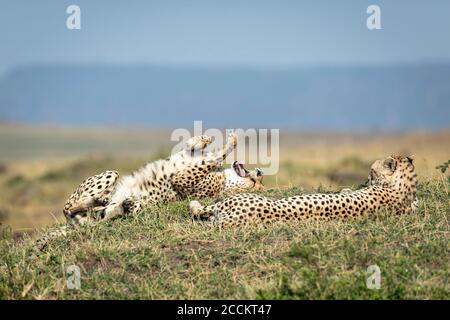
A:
{"points": [[161, 253]]}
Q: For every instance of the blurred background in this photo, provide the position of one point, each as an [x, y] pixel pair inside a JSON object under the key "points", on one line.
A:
{"points": [[77, 102]]}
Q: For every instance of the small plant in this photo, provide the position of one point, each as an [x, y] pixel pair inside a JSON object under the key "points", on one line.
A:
{"points": [[443, 167], [17, 180], [3, 215]]}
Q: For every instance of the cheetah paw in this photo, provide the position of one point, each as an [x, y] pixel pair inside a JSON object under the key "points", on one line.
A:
{"points": [[232, 137], [195, 208], [128, 205], [198, 142]]}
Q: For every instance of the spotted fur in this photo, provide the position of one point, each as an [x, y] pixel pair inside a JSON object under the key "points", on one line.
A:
{"points": [[392, 187], [192, 172]]}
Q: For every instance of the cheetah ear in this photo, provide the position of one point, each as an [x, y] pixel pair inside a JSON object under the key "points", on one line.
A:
{"points": [[410, 159], [391, 164]]}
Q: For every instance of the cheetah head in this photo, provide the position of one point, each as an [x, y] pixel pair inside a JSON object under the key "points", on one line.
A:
{"points": [[392, 171], [238, 177]]}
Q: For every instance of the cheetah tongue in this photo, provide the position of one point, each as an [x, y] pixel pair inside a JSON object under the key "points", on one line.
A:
{"points": [[239, 168]]}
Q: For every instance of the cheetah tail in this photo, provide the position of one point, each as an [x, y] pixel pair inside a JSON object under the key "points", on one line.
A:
{"points": [[54, 233]]}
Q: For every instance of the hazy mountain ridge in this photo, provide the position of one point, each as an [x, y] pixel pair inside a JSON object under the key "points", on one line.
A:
{"points": [[397, 97]]}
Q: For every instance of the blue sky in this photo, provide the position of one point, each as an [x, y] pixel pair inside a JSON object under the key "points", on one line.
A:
{"points": [[267, 34]]}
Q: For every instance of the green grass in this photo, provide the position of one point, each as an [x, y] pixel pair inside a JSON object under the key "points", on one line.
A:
{"points": [[162, 254]]}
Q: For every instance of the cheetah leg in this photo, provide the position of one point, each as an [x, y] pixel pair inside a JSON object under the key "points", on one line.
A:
{"points": [[111, 211], [192, 176], [201, 142], [93, 192], [132, 206], [198, 142], [78, 213], [127, 207], [230, 145]]}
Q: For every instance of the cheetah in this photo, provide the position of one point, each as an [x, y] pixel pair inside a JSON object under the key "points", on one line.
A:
{"points": [[192, 172], [391, 186]]}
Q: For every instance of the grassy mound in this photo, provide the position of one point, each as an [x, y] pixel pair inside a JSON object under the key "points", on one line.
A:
{"points": [[162, 254]]}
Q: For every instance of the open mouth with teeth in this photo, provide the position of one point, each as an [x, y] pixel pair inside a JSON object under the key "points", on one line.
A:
{"points": [[238, 167]]}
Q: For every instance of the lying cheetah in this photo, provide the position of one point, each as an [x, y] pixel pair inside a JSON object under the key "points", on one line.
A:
{"points": [[392, 186], [192, 172]]}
